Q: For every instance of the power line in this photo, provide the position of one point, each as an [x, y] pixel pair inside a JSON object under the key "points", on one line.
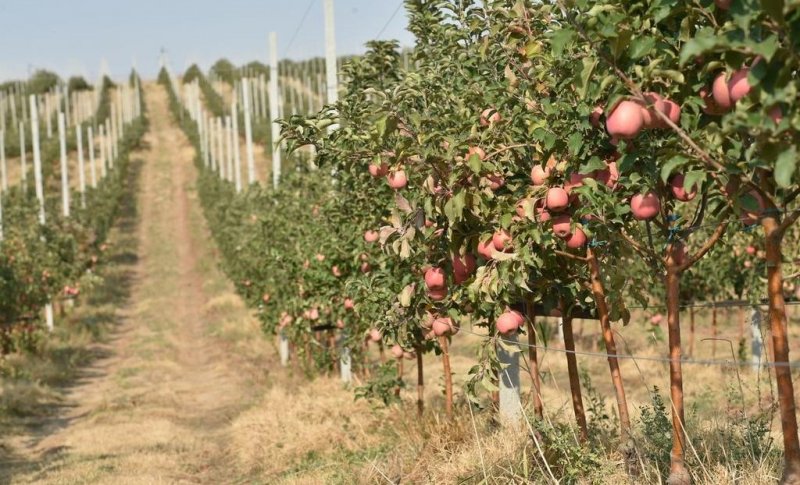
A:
{"points": [[299, 26], [386, 25]]}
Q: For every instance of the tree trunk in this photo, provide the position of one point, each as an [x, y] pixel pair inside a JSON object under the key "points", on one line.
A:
{"points": [[399, 375], [420, 383], [713, 329], [742, 324], [599, 292], [533, 363], [574, 379], [678, 474], [780, 348], [448, 378], [691, 330]]}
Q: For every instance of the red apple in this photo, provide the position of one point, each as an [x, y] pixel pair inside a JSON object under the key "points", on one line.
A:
{"points": [[509, 322], [501, 240], [595, 115], [562, 226], [557, 199], [496, 181], [609, 176], [397, 180], [349, 304], [463, 267], [375, 335], [490, 116], [486, 249], [625, 121], [397, 351], [739, 86], [438, 294], [775, 114], [442, 326], [577, 239], [645, 206], [539, 175], [371, 236], [378, 170], [476, 151], [678, 189], [435, 278], [721, 92]]}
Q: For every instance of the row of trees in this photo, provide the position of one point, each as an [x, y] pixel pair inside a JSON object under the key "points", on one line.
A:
{"points": [[537, 154]]}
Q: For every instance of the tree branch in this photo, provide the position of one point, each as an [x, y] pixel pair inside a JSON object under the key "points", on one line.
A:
{"points": [[718, 232], [569, 255]]}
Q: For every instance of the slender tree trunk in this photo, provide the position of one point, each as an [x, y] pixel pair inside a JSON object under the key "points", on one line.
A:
{"points": [[678, 474], [533, 363], [574, 378], [691, 330], [448, 377], [780, 348], [713, 329], [742, 324], [599, 292], [399, 375], [420, 383], [382, 352]]}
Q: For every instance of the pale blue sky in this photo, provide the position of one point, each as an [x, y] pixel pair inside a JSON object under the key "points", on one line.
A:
{"points": [[73, 36]]}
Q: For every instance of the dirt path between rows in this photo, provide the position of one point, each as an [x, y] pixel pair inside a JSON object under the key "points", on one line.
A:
{"points": [[157, 409]]}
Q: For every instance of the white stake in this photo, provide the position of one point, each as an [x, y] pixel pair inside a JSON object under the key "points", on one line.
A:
{"points": [[109, 145], [23, 156], [62, 143], [37, 158], [510, 409], [212, 142], [3, 167], [220, 149], [274, 108], [237, 159], [81, 174], [103, 153], [229, 149], [92, 164], [756, 341], [248, 134], [330, 54]]}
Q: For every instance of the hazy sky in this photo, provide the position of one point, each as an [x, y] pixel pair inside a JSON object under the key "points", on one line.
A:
{"points": [[73, 36]]}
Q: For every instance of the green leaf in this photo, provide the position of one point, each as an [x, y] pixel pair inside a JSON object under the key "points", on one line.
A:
{"points": [[474, 162], [699, 45], [640, 47], [695, 178], [560, 39], [785, 165], [454, 207], [671, 165], [589, 64], [766, 48]]}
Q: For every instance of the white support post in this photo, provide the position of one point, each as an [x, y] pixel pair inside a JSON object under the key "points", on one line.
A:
{"points": [[212, 142], [37, 174], [274, 108], [510, 408], [47, 113], [756, 340], [331, 71], [237, 158], [345, 364], [62, 144], [103, 153], [248, 134], [283, 348], [23, 155], [220, 148], [92, 162], [109, 145], [228, 149], [81, 173], [3, 167]]}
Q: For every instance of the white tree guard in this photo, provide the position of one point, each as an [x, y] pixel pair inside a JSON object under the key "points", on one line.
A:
{"points": [[81, 168], [510, 408], [756, 339], [283, 348], [23, 156], [62, 145], [37, 175], [3, 167], [274, 108], [92, 161], [248, 133], [237, 158]]}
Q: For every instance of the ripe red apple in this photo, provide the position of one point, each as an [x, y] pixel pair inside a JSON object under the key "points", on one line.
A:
{"points": [[397, 180], [442, 326], [463, 267], [539, 175], [375, 335], [748, 264], [476, 151], [438, 294], [542, 214], [313, 314], [645, 206], [562, 226], [679, 191], [625, 121], [349, 304], [557, 199], [723, 4], [656, 319], [378, 170], [739, 86], [486, 249], [490, 116], [371, 236], [667, 107], [320, 257], [397, 351], [721, 92], [577, 239], [509, 322], [521, 208], [365, 267], [750, 250], [501, 240], [336, 271], [575, 181], [435, 278], [266, 297]]}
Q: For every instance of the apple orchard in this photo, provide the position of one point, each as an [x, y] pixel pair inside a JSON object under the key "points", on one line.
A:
{"points": [[537, 158]]}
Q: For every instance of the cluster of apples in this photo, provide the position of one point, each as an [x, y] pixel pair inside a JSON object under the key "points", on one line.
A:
{"points": [[629, 117], [397, 179], [398, 352], [439, 326]]}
